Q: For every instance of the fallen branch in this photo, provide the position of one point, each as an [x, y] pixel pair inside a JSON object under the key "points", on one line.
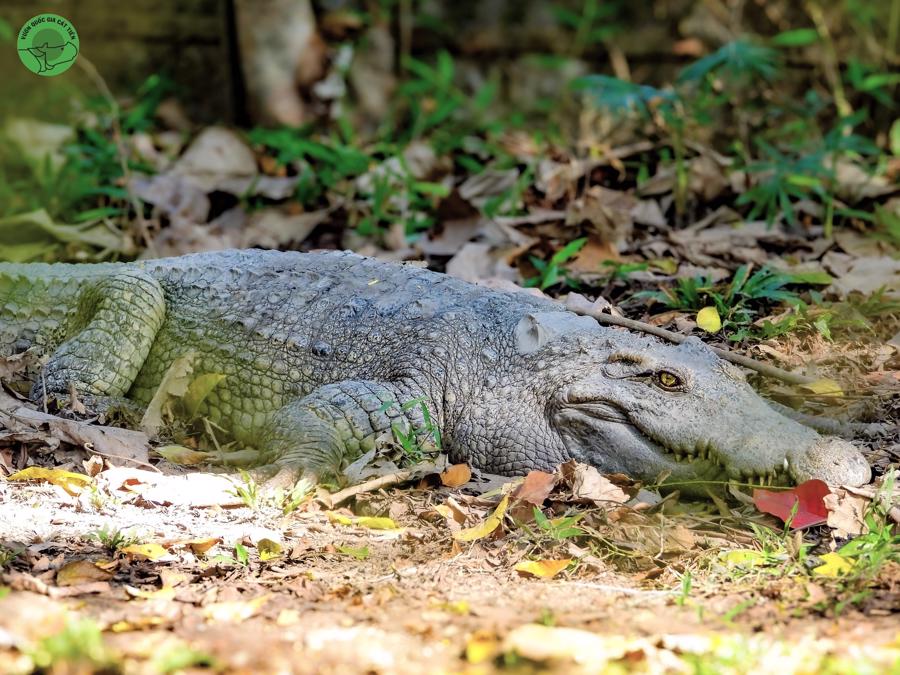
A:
{"points": [[677, 338], [378, 483]]}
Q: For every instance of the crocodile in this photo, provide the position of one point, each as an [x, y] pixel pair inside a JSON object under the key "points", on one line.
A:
{"points": [[322, 354]]}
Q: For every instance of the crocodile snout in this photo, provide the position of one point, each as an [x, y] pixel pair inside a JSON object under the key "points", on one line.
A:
{"points": [[832, 460]]}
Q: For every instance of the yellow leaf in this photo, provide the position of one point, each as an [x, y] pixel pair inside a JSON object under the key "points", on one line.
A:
{"points": [[824, 387], [545, 569], [362, 521], [235, 612], [73, 483], [744, 556], [339, 518], [376, 523], [482, 646], [268, 549], [146, 551], [178, 454], [80, 572], [708, 319], [444, 510], [834, 565], [164, 593], [483, 529], [138, 623]]}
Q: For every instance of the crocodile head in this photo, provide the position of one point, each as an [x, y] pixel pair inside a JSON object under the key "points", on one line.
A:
{"points": [[652, 409]]}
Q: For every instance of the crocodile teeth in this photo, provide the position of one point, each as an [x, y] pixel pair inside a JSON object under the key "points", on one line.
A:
{"points": [[785, 464]]}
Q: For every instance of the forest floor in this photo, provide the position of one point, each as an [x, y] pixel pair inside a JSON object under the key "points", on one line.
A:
{"points": [[749, 196], [144, 573]]}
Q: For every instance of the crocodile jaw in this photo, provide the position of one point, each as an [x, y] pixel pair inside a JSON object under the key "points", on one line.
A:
{"points": [[602, 435]]}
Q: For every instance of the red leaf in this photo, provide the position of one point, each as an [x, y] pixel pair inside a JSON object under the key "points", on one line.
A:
{"points": [[808, 496]]}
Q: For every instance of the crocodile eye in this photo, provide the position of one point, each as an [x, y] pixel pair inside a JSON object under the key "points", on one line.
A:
{"points": [[668, 380]]}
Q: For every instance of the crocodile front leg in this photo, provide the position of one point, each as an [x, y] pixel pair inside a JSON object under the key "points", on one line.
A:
{"points": [[325, 430], [109, 338]]}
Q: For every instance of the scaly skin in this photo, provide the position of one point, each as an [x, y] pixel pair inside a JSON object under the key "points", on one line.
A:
{"points": [[315, 348]]}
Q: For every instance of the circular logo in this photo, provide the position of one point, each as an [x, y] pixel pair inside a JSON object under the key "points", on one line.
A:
{"points": [[47, 44]]}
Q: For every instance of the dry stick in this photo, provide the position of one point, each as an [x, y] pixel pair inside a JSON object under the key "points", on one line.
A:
{"points": [[91, 71], [370, 486], [745, 361]]}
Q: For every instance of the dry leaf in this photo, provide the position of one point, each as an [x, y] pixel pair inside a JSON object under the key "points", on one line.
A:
{"points": [[487, 526], [145, 551], [164, 593], [73, 483], [823, 387], [370, 522], [589, 484], [456, 475], [235, 612], [268, 549], [544, 569], [846, 513], [536, 487], [174, 384], [200, 546], [178, 454], [80, 572]]}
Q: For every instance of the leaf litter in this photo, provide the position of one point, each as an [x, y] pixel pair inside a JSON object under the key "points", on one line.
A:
{"points": [[477, 569]]}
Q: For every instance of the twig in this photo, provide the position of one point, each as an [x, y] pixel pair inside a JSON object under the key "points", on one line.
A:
{"points": [[387, 480], [830, 61], [91, 71], [677, 338]]}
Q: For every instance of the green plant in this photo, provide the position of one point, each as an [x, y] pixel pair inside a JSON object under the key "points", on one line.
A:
{"points": [[248, 492], [7, 555], [881, 543], [415, 444], [737, 300], [182, 658], [113, 538], [684, 590], [359, 553], [79, 645], [550, 272], [594, 24], [290, 500], [558, 529]]}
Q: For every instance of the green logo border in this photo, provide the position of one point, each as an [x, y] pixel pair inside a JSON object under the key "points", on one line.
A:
{"points": [[36, 60]]}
